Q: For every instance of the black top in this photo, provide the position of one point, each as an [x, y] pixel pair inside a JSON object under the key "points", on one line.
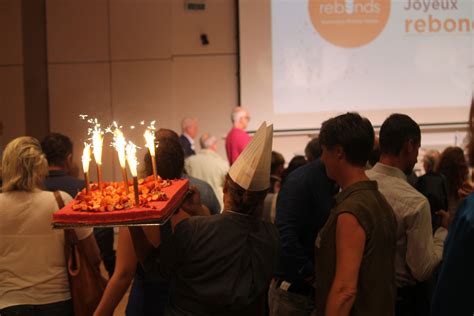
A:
{"points": [[376, 280], [433, 186], [186, 144], [303, 206], [216, 265], [58, 180]]}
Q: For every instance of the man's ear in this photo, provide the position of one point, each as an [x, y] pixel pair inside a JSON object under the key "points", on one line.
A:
{"points": [[410, 146], [339, 152]]}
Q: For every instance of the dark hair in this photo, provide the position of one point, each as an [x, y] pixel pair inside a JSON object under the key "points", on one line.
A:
{"points": [[277, 161], [353, 133], [169, 155], [312, 149], [295, 163], [396, 130], [56, 147], [244, 201], [453, 165]]}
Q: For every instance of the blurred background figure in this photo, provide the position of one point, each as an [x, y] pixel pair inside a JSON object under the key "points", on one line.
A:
{"points": [[453, 166], [277, 168], [237, 138], [312, 150], [433, 186], [209, 166], [295, 163], [62, 175], [189, 130]]}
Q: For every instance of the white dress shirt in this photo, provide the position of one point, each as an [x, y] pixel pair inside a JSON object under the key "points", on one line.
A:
{"points": [[418, 253], [208, 166]]}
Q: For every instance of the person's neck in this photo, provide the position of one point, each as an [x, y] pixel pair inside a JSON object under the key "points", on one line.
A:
{"points": [[392, 161], [239, 126], [351, 176]]}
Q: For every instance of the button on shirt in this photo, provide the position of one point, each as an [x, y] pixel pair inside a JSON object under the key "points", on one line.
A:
{"points": [[418, 253]]}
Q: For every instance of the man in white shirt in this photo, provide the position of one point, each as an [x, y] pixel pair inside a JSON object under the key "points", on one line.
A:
{"points": [[208, 166], [418, 253]]}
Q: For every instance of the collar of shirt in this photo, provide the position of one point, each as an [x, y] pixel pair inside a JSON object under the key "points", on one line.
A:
{"points": [[56, 173], [190, 140], [389, 171], [362, 185]]}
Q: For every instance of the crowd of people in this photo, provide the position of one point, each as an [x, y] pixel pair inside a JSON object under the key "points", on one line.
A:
{"points": [[345, 229]]}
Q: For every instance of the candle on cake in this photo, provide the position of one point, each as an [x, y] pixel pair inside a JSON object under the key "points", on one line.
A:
{"points": [[131, 151]]}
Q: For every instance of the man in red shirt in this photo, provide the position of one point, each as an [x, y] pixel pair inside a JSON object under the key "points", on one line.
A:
{"points": [[237, 138]]}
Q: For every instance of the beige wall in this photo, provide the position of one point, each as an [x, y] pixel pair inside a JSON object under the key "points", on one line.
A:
{"points": [[12, 107], [133, 60]]}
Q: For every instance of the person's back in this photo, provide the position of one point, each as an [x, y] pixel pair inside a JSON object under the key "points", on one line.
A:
{"points": [[32, 266], [208, 166], [376, 279], [433, 186], [221, 263], [453, 293]]}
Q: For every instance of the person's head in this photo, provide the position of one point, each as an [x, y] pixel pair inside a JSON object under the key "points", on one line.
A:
{"points": [[312, 150], [431, 160], [208, 141], [243, 201], [189, 126], [453, 165], [24, 165], [400, 140], [278, 164], [240, 117], [295, 163], [375, 153], [169, 156], [58, 150], [346, 141]]}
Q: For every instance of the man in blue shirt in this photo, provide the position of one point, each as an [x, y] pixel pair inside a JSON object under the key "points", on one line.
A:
{"points": [[58, 150], [302, 209]]}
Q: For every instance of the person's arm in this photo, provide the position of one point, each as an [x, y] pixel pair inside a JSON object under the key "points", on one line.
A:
{"points": [[123, 275], [350, 244], [424, 252], [193, 205]]}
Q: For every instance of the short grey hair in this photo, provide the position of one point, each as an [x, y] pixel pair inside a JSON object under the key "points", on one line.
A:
{"points": [[430, 160], [207, 140], [237, 113], [24, 165], [187, 122]]}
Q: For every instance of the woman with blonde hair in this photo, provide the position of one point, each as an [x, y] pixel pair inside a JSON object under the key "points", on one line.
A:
{"points": [[33, 275]]}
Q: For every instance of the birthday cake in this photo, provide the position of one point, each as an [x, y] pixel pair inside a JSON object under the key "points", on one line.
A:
{"points": [[113, 205]]}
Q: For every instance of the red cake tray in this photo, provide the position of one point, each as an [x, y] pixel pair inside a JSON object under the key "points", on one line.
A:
{"points": [[158, 213]]}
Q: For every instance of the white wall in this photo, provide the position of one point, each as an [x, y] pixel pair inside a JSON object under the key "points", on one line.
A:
{"points": [[12, 107], [133, 60]]}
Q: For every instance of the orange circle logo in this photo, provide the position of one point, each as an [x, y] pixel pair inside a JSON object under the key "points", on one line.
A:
{"points": [[349, 23]]}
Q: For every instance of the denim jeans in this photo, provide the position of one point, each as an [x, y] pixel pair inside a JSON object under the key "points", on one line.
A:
{"points": [[282, 303], [63, 308]]}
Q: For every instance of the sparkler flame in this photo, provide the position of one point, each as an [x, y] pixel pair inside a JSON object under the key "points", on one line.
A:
{"points": [[150, 141], [119, 144], [97, 142], [86, 157], [131, 150]]}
